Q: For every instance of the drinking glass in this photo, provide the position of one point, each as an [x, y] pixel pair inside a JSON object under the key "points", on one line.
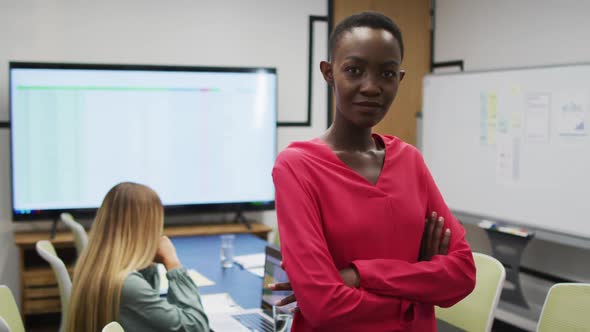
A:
{"points": [[282, 320], [227, 250]]}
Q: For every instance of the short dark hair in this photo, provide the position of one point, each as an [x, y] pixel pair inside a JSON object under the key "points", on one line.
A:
{"points": [[372, 20]]}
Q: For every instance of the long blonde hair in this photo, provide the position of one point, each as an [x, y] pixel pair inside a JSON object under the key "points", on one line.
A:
{"points": [[124, 237]]}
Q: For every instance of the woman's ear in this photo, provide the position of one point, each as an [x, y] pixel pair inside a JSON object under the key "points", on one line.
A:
{"points": [[402, 74], [327, 72]]}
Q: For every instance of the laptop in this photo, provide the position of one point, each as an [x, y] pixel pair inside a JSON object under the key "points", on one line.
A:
{"points": [[259, 319]]}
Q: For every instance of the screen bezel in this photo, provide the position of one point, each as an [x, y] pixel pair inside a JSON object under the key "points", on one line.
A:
{"points": [[53, 214]]}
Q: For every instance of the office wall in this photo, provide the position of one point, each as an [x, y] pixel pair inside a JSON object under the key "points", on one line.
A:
{"points": [[270, 33], [508, 34]]}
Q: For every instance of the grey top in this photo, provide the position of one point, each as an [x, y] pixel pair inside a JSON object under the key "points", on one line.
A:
{"points": [[142, 308]]}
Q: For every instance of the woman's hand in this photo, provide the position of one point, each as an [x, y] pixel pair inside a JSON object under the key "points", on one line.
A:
{"points": [[349, 275], [283, 286], [166, 254], [431, 239]]}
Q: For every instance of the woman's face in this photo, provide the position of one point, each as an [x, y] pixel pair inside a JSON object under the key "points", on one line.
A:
{"points": [[365, 74]]}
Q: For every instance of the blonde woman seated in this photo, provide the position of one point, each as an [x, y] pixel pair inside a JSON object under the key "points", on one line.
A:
{"points": [[115, 278]]}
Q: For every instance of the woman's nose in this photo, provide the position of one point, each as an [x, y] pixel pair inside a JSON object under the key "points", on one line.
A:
{"points": [[370, 86]]}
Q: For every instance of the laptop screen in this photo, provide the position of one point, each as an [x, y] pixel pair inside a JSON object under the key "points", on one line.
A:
{"points": [[273, 273]]}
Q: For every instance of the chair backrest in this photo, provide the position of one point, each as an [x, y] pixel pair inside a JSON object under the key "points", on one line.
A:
{"points": [[476, 311], [566, 308], [277, 239], [80, 235], [4, 326], [9, 311], [45, 249], [113, 327]]}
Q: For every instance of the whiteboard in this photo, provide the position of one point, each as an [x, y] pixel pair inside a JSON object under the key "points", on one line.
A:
{"points": [[512, 145]]}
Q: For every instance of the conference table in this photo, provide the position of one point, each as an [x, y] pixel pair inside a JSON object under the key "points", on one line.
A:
{"points": [[202, 254]]}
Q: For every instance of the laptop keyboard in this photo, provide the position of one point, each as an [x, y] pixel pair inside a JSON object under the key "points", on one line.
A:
{"points": [[254, 322]]}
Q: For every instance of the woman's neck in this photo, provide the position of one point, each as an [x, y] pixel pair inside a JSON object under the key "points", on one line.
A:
{"points": [[346, 137]]}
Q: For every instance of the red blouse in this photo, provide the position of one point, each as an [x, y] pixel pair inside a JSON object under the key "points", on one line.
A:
{"points": [[330, 217]]}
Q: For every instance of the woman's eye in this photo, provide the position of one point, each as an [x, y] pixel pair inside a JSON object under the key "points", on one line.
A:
{"points": [[353, 70], [389, 74]]}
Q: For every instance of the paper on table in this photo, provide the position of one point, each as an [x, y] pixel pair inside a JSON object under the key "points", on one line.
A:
{"points": [[250, 261], [219, 303], [199, 279], [258, 271]]}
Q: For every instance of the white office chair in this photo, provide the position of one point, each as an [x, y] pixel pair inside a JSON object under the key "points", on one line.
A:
{"points": [[80, 236], [4, 326], [566, 308], [475, 313], [46, 250], [113, 327], [9, 314]]}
